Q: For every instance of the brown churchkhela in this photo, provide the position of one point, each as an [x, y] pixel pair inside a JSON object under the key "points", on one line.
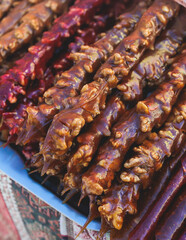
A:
{"points": [[153, 62], [5, 5], [89, 141], [139, 169], [88, 60], [131, 49], [14, 82], [11, 20], [13, 17], [67, 124], [134, 126], [31, 25]]}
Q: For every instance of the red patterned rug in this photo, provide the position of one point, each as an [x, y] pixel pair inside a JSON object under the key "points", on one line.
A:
{"points": [[25, 217], [7, 227]]}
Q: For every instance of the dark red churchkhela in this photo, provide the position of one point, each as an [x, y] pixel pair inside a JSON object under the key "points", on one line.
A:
{"points": [[88, 60], [139, 169], [84, 36], [67, 124], [33, 63]]}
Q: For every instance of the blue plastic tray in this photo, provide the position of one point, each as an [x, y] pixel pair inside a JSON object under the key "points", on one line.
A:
{"points": [[12, 164]]}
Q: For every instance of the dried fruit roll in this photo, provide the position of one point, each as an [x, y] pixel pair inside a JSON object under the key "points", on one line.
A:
{"points": [[31, 25], [5, 6], [139, 169], [71, 81], [174, 217], [134, 126], [34, 62], [89, 141], [153, 63], [151, 218], [128, 53]]}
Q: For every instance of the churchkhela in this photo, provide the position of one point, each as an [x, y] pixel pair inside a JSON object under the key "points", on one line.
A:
{"points": [[90, 33], [85, 35], [5, 6], [139, 169], [148, 197], [153, 63], [164, 49], [30, 25], [134, 126], [97, 103], [14, 82], [67, 124], [11, 20], [89, 141], [88, 60]]}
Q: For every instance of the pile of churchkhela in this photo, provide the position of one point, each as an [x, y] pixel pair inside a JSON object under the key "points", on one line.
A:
{"points": [[93, 93]]}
